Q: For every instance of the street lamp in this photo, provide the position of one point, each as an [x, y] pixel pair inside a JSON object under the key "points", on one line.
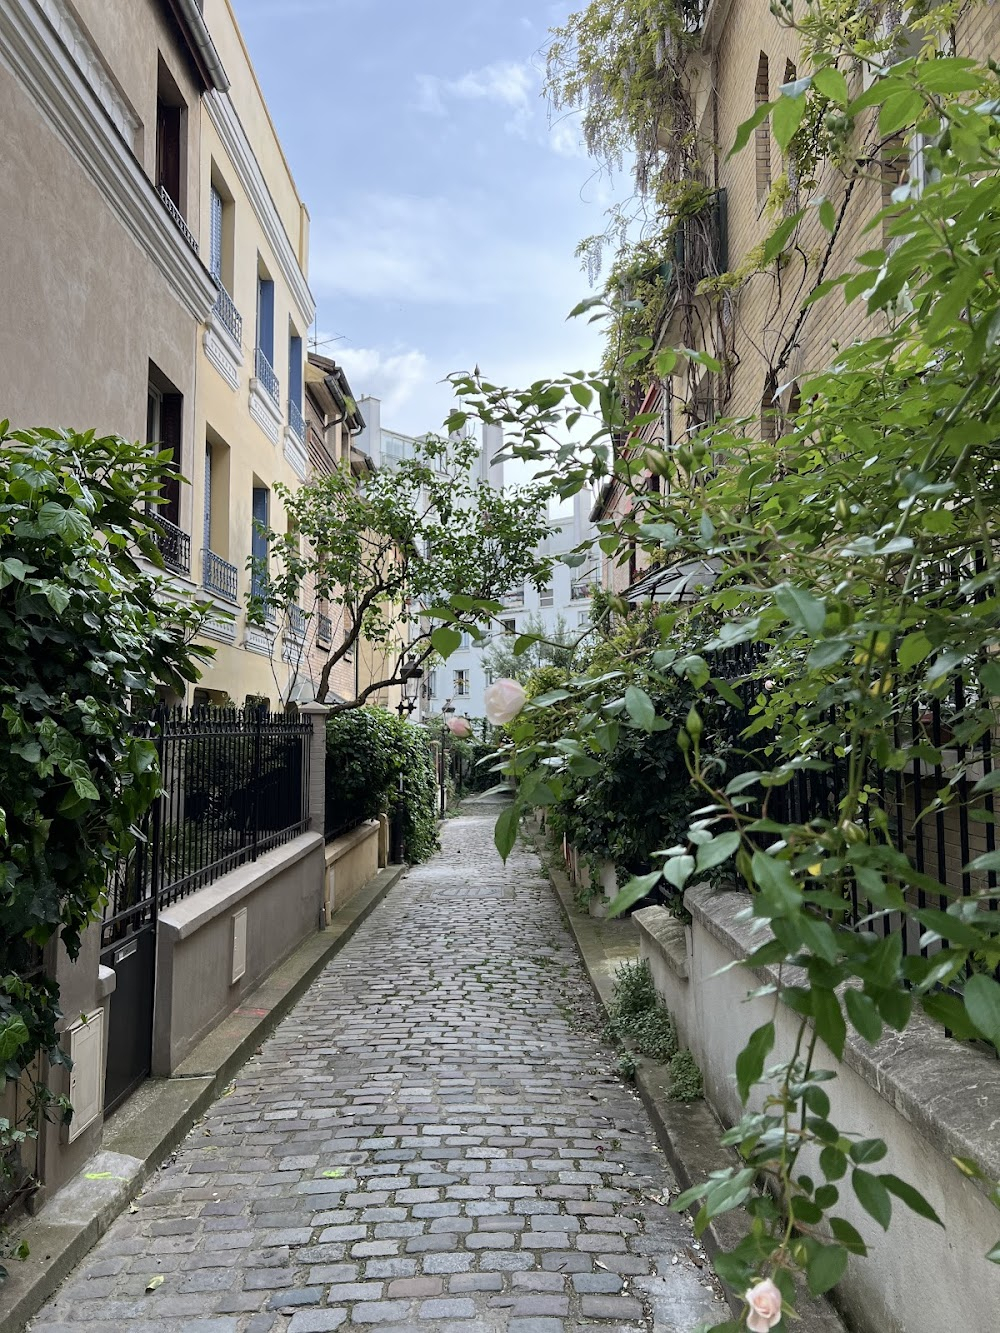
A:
{"points": [[411, 676], [447, 709]]}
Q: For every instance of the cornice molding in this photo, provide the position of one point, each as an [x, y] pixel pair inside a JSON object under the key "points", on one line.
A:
{"points": [[224, 117], [73, 95]]}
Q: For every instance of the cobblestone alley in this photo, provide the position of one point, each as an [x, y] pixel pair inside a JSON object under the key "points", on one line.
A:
{"points": [[432, 1140]]}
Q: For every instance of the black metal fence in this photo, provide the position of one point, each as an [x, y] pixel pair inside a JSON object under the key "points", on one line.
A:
{"points": [[235, 784], [927, 808]]}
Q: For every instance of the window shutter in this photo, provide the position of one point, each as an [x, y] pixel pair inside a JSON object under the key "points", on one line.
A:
{"points": [[216, 236], [170, 438]]}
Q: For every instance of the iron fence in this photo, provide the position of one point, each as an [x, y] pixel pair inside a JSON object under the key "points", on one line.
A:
{"points": [[234, 785], [229, 316], [296, 420], [218, 575], [174, 544], [926, 808]]}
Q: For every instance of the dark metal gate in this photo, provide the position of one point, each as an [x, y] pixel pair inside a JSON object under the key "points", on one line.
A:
{"points": [[128, 945]]}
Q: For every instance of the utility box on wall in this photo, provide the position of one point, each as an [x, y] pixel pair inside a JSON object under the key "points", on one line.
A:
{"points": [[86, 1080]]}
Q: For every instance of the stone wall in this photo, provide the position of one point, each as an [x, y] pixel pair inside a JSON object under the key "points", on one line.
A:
{"points": [[929, 1098]]}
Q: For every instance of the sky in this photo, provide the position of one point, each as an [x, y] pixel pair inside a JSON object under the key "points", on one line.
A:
{"points": [[445, 206]]}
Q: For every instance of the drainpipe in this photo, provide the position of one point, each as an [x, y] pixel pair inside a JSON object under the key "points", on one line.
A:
{"points": [[202, 38]]}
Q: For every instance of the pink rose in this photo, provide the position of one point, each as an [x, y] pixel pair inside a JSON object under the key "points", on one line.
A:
{"points": [[504, 699], [460, 727], [765, 1306]]}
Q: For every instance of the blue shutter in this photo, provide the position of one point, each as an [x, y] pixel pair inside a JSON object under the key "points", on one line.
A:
{"points": [[265, 317], [215, 262], [258, 542], [208, 497], [295, 370]]}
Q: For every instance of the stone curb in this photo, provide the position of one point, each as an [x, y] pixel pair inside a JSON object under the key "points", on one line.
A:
{"points": [[156, 1118], [688, 1131]]}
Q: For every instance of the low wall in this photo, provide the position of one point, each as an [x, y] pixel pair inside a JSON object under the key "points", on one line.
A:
{"points": [[214, 947], [929, 1098], [351, 861]]}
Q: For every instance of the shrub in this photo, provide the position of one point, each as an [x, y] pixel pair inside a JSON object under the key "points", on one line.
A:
{"points": [[638, 1018], [86, 630], [368, 751]]}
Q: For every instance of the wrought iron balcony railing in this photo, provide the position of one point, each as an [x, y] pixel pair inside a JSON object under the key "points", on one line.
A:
{"points": [[324, 630], [295, 421], [262, 607], [178, 218], [266, 376], [218, 575], [174, 544], [229, 317], [580, 591], [297, 621]]}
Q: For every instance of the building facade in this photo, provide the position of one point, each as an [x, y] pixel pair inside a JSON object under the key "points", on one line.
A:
{"points": [[560, 610], [249, 431]]}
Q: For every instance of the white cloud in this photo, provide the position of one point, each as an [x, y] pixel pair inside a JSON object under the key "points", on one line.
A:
{"points": [[394, 377], [507, 82]]}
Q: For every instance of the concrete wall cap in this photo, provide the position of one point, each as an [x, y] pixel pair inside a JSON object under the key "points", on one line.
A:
{"points": [[348, 841], [182, 919], [107, 980], [946, 1089], [667, 936]]}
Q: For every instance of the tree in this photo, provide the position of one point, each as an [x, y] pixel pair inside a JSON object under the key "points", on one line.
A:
{"points": [[85, 630], [556, 647], [406, 560]]}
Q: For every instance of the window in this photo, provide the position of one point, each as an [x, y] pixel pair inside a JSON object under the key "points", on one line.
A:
{"points": [[258, 541], [164, 417], [215, 240], [583, 619], [762, 134], [170, 122], [489, 677], [545, 598], [460, 689], [430, 685], [508, 626], [466, 640], [265, 334], [295, 385]]}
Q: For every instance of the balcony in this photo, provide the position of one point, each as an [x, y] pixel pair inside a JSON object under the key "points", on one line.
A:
{"points": [[219, 576], [227, 314], [178, 219], [297, 621], [266, 377], [324, 631], [515, 597], [295, 421], [261, 607], [174, 544], [579, 591]]}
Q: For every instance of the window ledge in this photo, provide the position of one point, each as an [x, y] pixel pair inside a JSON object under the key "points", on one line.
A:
{"points": [[223, 351], [264, 410]]}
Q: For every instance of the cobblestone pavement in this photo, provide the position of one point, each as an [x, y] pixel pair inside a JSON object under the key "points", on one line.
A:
{"points": [[432, 1140]]}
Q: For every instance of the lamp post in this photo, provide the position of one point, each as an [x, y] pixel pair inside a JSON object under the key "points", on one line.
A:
{"points": [[447, 709], [410, 676]]}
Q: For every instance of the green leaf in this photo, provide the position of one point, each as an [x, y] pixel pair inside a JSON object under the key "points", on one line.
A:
{"points": [[630, 893], [848, 1236], [825, 1267], [786, 118], [747, 128], [833, 1162], [445, 640], [13, 1035], [750, 1061], [866, 1151], [57, 597], [56, 520], [678, 870], [863, 1014], [832, 84], [949, 1011], [801, 608], [828, 216], [913, 1199], [913, 649], [640, 708], [899, 110], [505, 833], [873, 1196], [779, 894], [775, 243], [582, 394], [829, 1020], [718, 850], [982, 1004]]}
